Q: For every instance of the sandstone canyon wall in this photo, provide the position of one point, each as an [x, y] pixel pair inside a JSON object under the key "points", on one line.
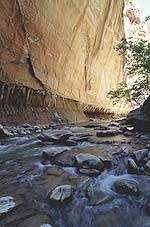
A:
{"points": [[57, 54]]}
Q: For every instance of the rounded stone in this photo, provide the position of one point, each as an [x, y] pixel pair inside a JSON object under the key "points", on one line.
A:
{"points": [[126, 187], [147, 167], [89, 172], [139, 155], [6, 203], [88, 161], [148, 146], [132, 166], [146, 225], [147, 207], [61, 194], [46, 225], [108, 133], [4, 133]]}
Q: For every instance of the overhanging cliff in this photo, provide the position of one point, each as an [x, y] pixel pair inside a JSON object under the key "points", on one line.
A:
{"points": [[60, 48]]}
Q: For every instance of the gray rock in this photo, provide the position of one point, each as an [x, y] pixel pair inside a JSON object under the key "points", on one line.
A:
{"points": [[101, 127], [147, 207], [128, 133], [140, 118], [137, 134], [70, 143], [86, 160], [80, 138], [53, 152], [62, 139], [132, 166], [147, 167], [108, 133], [123, 128], [55, 171], [144, 137], [26, 125], [108, 162], [148, 146], [123, 151], [89, 172], [46, 225], [126, 187], [61, 194], [4, 133], [140, 155], [22, 132], [96, 195], [146, 225], [95, 126], [141, 169], [6, 203], [37, 220]]}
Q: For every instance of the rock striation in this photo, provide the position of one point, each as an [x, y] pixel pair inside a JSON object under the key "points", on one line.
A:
{"points": [[62, 49]]}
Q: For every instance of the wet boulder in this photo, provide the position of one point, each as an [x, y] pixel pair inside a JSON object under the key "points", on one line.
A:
{"points": [[37, 220], [89, 172], [146, 225], [94, 126], [140, 117], [102, 127], [106, 160], [147, 167], [4, 133], [148, 146], [86, 160], [61, 194], [96, 193], [140, 155], [97, 197], [26, 125], [80, 138], [132, 166], [145, 137], [6, 203], [53, 152], [147, 207], [107, 133], [55, 171], [126, 187], [46, 225], [128, 133], [122, 152], [62, 139]]}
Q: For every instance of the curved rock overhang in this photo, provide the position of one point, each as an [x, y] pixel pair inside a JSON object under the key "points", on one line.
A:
{"points": [[58, 48]]}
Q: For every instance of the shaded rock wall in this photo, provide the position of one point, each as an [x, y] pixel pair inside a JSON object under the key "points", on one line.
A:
{"points": [[63, 47], [140, 117], [19, 104]]}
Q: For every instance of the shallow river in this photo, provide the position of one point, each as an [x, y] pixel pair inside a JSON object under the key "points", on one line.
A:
{"points": [[33, 165]]}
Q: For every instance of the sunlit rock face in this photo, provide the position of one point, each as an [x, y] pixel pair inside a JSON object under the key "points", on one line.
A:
{"points": [[135, 28], [65, 48]]}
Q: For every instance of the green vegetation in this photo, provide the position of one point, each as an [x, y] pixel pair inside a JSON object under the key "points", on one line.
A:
{"points": [[137, 57]]}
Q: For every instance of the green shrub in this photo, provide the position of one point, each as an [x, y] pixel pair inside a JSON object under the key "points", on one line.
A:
{"points": [[137, 56]]}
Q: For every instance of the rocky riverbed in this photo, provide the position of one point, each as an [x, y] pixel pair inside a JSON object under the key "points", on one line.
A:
{"points": [[94, 174]]}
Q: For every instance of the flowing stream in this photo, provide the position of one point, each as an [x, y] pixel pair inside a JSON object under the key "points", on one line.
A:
{"points": [[34, 164]]}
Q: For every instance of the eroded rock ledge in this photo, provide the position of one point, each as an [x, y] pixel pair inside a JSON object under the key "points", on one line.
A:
{"points": [[63, 47], [20, 104]]}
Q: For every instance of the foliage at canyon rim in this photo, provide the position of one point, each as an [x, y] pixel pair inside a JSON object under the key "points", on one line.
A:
{"points": [[137, 56]]}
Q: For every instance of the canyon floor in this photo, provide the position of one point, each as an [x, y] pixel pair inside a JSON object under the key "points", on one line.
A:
{"points": [[93, 174]]}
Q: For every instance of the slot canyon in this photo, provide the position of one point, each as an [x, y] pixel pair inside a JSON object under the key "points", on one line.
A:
{"points": [[69, 157]]}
